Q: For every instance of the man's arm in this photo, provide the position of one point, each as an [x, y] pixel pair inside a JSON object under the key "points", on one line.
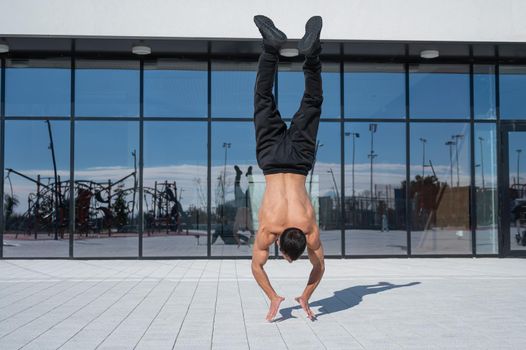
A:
{"points": [[315, 252], [259, 258]]}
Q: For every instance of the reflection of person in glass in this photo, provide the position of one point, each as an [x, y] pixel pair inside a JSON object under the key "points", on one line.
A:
{"points": [[243, 220], [286, 156]]}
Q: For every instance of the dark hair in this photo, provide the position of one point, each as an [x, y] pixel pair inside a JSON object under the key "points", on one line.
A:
{"points": [[292, 242]]}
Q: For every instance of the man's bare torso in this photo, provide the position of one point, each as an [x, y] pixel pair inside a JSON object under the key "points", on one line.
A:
{"points": [[285, 204]]}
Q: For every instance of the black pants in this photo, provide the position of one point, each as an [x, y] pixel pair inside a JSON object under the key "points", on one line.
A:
{"points": [[278, 149]]}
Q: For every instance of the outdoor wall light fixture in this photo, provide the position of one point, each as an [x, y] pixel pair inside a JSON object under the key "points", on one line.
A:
{"points": [[141, 50], [429, 53], [4, 48], [289, 52]]}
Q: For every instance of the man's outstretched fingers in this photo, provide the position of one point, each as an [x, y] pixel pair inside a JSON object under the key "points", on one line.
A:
{"points": [[305, 306]]}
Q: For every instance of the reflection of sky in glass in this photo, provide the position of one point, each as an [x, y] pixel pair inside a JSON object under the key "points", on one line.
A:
{"points": [[484, 92], [512, 82], [517, 141], [438, 153], [175, 93], [486, 155], [107, 92], [389, 163], [439, 95], [37, 92], [233, 93], [177, 152], [375, 94], [27, 151], [291, 87]]}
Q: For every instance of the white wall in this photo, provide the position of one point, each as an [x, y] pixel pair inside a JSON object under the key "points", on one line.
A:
{"points": [[426, 20]]}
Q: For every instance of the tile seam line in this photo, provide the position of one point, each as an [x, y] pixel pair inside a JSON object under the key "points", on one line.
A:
{"points": [[162, 306], [141, 268], [135, 307]]}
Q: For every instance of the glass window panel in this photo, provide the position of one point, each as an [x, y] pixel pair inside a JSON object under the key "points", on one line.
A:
{"points": [[38, 87], [175, 189], [291, 86], [324, 186], [375, 189], [107, 88], [484, 92], [439, 91], [486, 188], [374, 90], [233, 88], [439, 189], [517, 190], [512, 84], [36, 193], [175, 88], [106, 188], [235, 202]]}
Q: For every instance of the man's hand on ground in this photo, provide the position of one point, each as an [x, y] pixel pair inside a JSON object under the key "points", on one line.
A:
{"points": [[274, 307], [305, 306]]}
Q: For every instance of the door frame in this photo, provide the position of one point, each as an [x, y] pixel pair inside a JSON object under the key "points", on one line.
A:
{"points": [[503, 187]]}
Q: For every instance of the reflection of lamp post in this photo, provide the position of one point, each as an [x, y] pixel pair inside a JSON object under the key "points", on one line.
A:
{"points": [[354, 136], [423, 140], [456, 138], [372, 155], [335, 187], [450, 144], [518, 164], [482, 163]]}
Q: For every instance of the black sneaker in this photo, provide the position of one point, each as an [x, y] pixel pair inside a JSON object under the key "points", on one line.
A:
{"points": [[273, 38], [310, 45]]}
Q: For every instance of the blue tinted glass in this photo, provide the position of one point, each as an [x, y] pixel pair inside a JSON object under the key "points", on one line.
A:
{"points": [[484, 92], [175, 188], [374, 91], [235, 198], [440, 188], [291, 86], [486, 188], [439, 91], [233, 89], [107, 88], [38, 87], [106, 178], [512, 80], [29, 188], [175, 89], [376, 224]]}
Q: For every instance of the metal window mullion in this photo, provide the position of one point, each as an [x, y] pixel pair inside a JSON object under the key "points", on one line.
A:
{"points": [[2, 148], [72, 152], [209, 157], [407, 161], [141, 155], [342, 153], [473, 192]]}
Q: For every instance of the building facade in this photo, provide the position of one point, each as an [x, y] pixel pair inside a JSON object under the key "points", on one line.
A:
{"points": [[127, 132]]}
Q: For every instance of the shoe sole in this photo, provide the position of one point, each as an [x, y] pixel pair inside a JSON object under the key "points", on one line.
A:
{"points": [[266, 23], [312, 31]]}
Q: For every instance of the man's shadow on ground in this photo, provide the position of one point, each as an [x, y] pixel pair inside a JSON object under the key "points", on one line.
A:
{"points": [[343, 299]]}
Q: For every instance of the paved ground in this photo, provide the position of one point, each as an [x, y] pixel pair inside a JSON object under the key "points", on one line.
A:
{"points": [[199, 304]]}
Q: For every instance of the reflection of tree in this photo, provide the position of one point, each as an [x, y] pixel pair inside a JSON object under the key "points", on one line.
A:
{"points": [[120, 209], [10, 202], [425, 194]]}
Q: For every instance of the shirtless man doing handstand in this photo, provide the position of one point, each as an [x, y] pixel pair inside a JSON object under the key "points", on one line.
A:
{"points": [[286, 156]]}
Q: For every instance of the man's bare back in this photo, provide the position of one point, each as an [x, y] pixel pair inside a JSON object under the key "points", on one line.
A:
{"points": [[285, 204]]}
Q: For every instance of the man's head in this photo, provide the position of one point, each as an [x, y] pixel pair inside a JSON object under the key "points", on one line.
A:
{"points": [[292, 243]]}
